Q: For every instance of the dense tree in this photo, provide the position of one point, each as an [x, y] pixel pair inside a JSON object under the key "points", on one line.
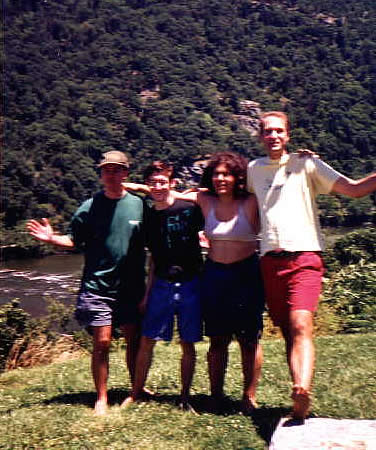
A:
{"points": [[164, 79]]}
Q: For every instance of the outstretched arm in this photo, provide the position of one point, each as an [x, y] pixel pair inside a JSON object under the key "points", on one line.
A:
{"points": [[43, 231], [136, 187], [355, 188], [190, 195]]}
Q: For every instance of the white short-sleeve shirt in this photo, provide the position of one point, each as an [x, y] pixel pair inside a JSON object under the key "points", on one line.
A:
{"points": [[286, 190]]}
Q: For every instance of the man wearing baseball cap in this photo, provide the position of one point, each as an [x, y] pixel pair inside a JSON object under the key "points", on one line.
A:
{"points": [[107, 228]]}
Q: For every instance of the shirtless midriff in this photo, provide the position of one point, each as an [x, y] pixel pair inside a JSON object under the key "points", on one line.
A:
{"points": [[222, 250], [227, 252]]}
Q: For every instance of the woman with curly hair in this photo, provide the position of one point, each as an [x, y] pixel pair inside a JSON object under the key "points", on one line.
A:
{"points": [[232, 290]]}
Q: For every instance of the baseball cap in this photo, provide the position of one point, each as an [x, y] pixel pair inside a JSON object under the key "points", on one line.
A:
{"points": [[114, 157]]}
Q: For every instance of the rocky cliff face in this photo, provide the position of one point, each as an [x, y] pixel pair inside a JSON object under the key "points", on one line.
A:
{"points": [[249, 116]]}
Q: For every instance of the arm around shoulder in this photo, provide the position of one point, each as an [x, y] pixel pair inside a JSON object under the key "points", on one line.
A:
{"points": [[189, 195], [355, 188], [136, 187]]}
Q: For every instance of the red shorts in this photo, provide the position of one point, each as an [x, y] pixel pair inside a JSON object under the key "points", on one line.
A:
{"points": [[291, 282]]}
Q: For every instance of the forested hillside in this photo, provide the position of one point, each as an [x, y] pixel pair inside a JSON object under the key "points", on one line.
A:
{"points": [[170, 79]]}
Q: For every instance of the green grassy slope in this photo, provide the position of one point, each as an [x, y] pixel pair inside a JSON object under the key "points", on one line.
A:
{"points": [[51, 406]]}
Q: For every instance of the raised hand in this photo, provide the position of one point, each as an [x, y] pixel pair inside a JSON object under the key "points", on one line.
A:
{"points": [[308, 153], [40, 230], [44, 232]]}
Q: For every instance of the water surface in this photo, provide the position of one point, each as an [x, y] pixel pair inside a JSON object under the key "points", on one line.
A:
{"points": [[31, 280]]}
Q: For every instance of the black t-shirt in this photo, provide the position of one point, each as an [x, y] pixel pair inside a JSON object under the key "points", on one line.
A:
{"points": [[171, 236]]}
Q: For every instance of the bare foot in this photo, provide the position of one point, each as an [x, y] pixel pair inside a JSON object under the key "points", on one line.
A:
{"points": [[187, 407], [248, 405], [100, 408], [147, 392], [128, 402], [302, 402]]}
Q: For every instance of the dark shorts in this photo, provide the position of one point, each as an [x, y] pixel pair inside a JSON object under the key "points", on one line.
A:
{"points": [[96, 311], [167, 299], [233, 299], [292, 282]]}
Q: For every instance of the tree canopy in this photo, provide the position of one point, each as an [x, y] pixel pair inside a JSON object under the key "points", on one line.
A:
{"points": [[163, 79]]}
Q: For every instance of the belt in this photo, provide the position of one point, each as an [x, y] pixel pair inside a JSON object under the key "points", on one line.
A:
{"points": [[282, 254], [176, 274]]}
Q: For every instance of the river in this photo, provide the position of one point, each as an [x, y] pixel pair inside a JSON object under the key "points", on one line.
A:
{"points": [[57, 276], [30, 280]]}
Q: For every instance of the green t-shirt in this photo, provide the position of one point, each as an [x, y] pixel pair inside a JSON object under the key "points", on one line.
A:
{"points": [[110, 234]]}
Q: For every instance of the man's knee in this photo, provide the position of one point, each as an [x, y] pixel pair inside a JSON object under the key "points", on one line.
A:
{"points": [[102, 344], [301, 323], [102, 338]]}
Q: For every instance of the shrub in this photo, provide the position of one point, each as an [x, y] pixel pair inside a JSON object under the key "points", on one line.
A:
{"points": [[354, 247], [25, 342], [14, 323], [351, 293]]}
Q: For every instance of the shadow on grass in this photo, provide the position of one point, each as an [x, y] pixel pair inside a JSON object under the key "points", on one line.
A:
{"points": [[115, 396], [201, 403], [266, 419]]}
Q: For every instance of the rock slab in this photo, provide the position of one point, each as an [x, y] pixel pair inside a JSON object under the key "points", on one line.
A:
{"points": [[324, 434]]}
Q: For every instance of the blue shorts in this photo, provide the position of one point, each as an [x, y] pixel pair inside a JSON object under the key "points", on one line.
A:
{"points": [[233, 299], [167, 299], [97, 311]]}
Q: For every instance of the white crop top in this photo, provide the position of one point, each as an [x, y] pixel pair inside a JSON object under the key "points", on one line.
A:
{"points": [[236, 229]]}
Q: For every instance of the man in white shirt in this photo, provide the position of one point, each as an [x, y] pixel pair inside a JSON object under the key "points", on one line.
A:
{"points": [[286, 186]]}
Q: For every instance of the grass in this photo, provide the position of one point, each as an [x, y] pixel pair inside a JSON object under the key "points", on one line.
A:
{"points": [[51, 406]]}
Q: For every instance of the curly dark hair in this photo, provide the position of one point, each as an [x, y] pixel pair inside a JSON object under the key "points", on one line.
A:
{"points": [[235, 163]]}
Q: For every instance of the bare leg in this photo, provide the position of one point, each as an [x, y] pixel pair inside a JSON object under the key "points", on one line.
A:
{"points": [[298, 334], [132, 336], [217, 364], [100, 366], [187, 367], [252, 357], [143, 363]]}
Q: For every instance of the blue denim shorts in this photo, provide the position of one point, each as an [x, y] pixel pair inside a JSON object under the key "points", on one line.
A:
{"points": [[167, 299], [96, 311], [233, 299]]}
